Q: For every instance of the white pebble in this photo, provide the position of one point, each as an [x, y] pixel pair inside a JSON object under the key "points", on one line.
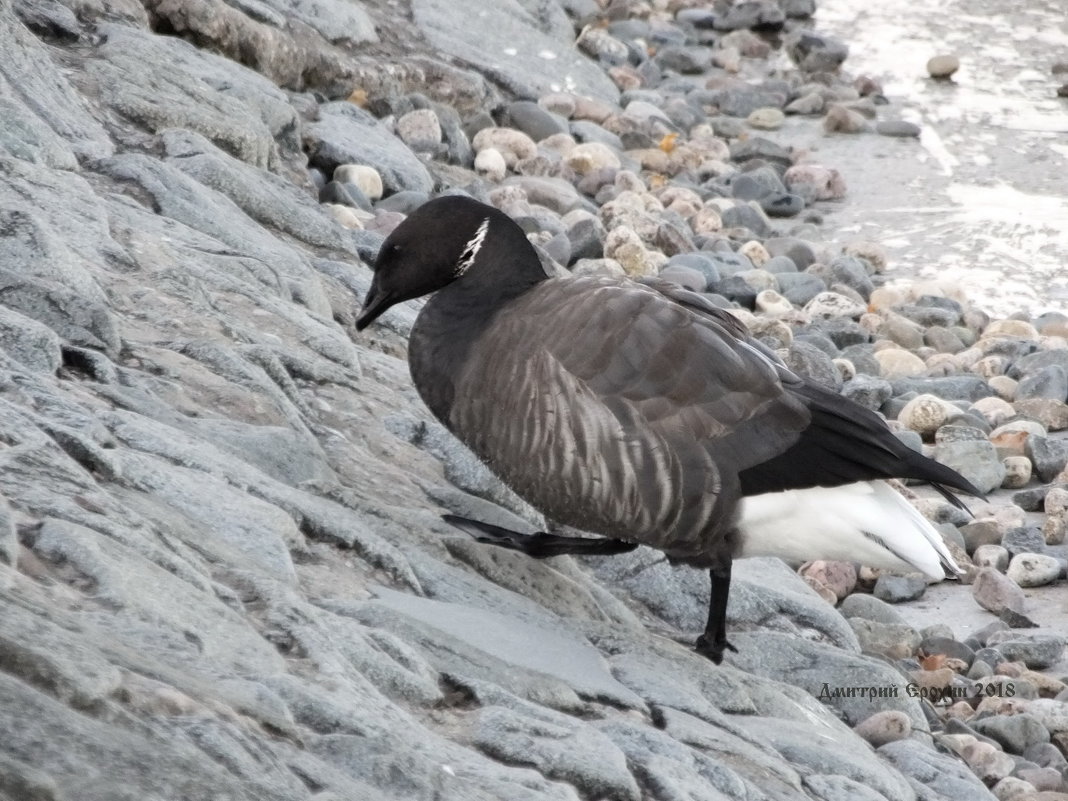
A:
{"points": [[1033, 569], [591, 156], [899, 363], [925, 414], [513, 145], [366, 178], [489, 163]]}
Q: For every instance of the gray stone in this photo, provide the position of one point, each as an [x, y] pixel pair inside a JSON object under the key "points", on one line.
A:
{"points": [[755, 184], [1015, 733], [869, 391], [815, 52], [743, 215], [346, 134], [782, 205], [800, 288], [684, 59], [898, 128], [509, 44], [586, 131], [807, 360], [885, 639], [980, 532], [1034, 569], [1023, 539], [870, 608], [1048, 456], [851, 271], [964, 387], [1047, 382], [994, 592], [976, 460], [1033, 363], [533, 120], [741, 102], [707, 264], [780, 265], [1037, 651], [761, 13], [898, 589], [684, 276], [758, 147]]}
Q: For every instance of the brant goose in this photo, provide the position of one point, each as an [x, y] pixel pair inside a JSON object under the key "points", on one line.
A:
{"points": [[639, 411]]}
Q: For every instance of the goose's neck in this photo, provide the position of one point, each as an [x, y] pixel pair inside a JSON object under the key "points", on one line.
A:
{"points": [[448, 327]]}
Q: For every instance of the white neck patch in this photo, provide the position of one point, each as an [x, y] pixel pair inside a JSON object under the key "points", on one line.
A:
{"points": [[467, 255]]}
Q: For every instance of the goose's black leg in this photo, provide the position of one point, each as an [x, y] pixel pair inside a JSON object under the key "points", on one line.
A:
{"points": [[714, 641], [540, 545]]}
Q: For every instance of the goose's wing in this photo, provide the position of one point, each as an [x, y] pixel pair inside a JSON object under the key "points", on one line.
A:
{"points": [[611, 404], [842, 441]]}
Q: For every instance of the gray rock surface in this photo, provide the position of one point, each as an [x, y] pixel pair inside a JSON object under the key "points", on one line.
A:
{"points": [[525, 46]]}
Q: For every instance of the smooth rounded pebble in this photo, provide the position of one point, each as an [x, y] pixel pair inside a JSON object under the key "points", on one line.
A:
{"points": [[815, 182], [490, 163], [592, 156], [925, 414], [366, 178], [1019, 329], [831, 305], [1017, 472], [899, 363], [766, 119], [899, 128], [884, 727], [943, 66], [1033, 569], [772, 303], [513, 145], [345, 215], [840, 119]]}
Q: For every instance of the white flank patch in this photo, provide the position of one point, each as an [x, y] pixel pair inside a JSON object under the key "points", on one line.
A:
{"points": [[867, 522], [467, 255]]}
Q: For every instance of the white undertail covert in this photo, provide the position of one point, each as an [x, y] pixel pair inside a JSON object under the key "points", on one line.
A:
{"points": [[867, 522]]}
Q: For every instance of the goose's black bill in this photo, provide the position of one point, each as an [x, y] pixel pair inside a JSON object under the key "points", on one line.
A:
{"points": [[374, 305], [641, 412]]}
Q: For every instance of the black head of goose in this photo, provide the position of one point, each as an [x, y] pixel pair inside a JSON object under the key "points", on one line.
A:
{"points": [[639, 411]]}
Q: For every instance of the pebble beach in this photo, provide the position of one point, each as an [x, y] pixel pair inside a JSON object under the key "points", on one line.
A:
{"points": [[222, 563]]}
